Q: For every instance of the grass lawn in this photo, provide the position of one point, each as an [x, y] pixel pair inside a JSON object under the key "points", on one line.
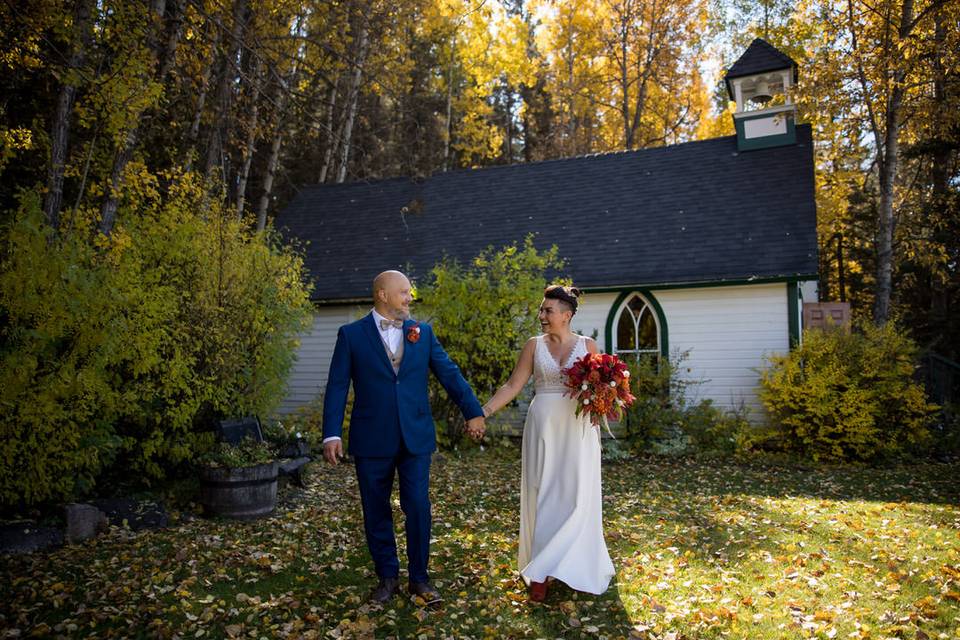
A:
{"points": [[703, 549]]}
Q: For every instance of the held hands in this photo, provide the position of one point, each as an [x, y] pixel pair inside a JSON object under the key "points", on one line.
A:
{"points": [[476, 427], [333, 451]]}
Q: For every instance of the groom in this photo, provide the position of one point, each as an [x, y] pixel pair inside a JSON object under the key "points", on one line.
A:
{"points": [[386, 356]]}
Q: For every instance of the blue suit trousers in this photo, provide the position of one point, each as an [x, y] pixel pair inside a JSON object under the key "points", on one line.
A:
{"points": [[375, 477]]}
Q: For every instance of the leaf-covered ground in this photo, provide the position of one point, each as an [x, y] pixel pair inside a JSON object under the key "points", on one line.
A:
{"points": [[702, 550]]}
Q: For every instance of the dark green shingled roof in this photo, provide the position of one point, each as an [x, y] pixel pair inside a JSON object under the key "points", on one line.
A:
{"points": [[693, 212]]}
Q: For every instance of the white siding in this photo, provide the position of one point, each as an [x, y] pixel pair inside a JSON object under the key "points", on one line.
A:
{"points": [[728, 331], [309, 375], [592, 315], [810, 291]]}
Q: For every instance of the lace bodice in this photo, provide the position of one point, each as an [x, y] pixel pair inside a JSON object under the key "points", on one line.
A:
{"points": [[547, 374]]}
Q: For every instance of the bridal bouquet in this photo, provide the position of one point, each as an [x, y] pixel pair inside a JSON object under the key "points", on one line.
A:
{"points": [[600, 383]]}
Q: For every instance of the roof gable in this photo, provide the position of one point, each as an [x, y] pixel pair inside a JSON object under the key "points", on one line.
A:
{"points": [[693, 212]]}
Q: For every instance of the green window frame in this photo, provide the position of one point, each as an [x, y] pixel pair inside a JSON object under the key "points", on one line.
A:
{"points": [[636, 326]]}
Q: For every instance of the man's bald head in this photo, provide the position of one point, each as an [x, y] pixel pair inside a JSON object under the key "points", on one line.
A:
{"points": [[392, 295], [386, 279]]}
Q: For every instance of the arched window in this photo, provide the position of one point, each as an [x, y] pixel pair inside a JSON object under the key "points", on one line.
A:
{"points": [[636, 329]]}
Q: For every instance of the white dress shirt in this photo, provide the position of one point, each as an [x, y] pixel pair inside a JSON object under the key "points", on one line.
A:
{"points": [[391, 336]]}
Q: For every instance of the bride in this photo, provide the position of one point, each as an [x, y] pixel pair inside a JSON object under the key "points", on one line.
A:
{"points": [[561, 528]]}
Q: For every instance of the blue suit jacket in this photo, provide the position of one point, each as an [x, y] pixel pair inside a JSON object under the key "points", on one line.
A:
{"points": [[388, 406]]}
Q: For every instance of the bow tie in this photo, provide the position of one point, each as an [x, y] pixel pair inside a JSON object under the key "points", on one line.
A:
{"points": [[386, 324]]}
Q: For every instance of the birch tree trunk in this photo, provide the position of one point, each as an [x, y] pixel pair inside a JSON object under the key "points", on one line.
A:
{"points": [[353, 105], [885, 217], [251, 145], [268, 178], [224, 100], [60, 127], [508, 138], [889, 156], [449, 136], [283, 93], [169, 57], [623, 64], [194, 135], [332, 138]]}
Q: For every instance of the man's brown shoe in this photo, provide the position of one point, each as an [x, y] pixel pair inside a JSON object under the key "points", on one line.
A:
{"points": [[385, 589], [425, 591]]}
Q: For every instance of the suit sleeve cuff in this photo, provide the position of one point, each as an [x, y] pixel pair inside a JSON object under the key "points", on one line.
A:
{"points": [[330, 439], [472, 410]]}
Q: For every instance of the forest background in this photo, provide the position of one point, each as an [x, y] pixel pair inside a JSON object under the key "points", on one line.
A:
{"points": [[106, 101]]}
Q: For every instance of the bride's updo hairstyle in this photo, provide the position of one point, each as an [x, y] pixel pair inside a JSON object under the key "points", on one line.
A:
{"points": [[567, 295]]}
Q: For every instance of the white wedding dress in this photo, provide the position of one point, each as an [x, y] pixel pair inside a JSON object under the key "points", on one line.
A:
{"points": [[561, 512]]}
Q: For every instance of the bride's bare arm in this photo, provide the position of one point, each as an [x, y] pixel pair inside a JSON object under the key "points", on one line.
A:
{"points": [[521, 373], [592, 346]]}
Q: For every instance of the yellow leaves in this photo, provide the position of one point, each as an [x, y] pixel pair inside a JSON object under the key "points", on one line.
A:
{"points": [[604, 74], [362, 629], [12, 141], [951, 572], [927, 606], [219, 582]]}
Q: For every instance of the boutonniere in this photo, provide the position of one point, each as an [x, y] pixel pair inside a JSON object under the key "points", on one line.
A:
{"points": [[413, 333]]}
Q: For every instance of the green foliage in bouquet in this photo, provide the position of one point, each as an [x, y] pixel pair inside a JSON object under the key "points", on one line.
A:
{"points": [[483, 314], [119, 351], [848, 396]]}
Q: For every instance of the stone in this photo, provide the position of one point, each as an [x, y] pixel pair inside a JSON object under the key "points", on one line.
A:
{"points": [[83, 522], [137, 515], [26, 537]]}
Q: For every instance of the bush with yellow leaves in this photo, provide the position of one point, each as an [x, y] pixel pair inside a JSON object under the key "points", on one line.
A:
{"points": [[118, 351], [848, 395]]}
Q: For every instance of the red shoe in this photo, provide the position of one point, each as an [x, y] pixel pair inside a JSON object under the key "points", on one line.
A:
{"points": [[538, 591]]}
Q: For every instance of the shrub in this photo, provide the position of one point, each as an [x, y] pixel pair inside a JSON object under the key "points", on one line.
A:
{"points": [[847, 396], [945, 432], [483, 314], [654, 412], [307, 420], [612, 451], [664, 420], [121, 350], [246, 453], [714, 429]]}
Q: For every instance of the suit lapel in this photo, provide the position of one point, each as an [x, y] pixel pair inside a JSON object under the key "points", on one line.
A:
{"points": [[375, 342], [408, 346]]}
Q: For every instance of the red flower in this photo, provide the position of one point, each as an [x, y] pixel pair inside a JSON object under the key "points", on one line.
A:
{"points": [[600, 383], [413, 333]]}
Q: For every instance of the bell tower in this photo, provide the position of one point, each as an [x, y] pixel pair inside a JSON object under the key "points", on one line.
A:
{"points": [[760, 82]]}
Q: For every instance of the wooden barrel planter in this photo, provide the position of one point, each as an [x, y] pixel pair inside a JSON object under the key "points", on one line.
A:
{"points": [[245, 493]]}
